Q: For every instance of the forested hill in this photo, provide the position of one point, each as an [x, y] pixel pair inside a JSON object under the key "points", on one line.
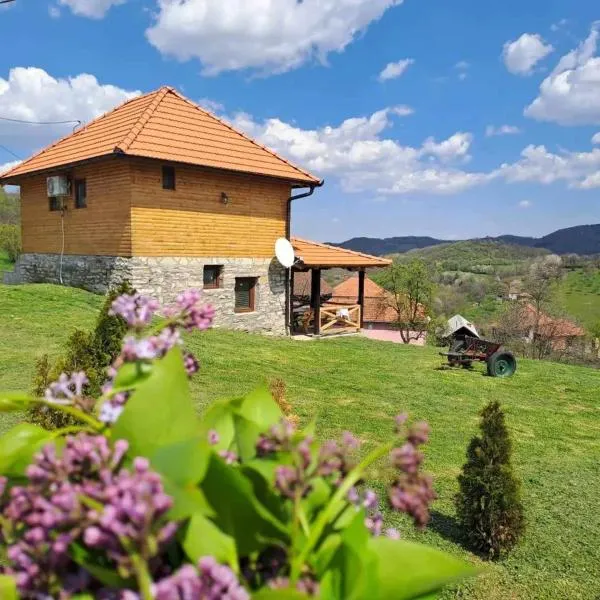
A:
{"points": [[582, 239]]}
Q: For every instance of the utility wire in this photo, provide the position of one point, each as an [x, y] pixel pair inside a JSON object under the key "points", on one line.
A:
{"points": [[77, 121], [10, 151]]}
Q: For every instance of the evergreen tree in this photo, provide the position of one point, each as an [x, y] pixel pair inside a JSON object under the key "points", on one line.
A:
{"points": [[489, 505]]}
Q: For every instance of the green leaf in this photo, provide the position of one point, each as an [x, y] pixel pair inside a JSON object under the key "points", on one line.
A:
{"points": [[18, 445], [324, 555], [286, 594], [160, 411], [318, 496], [14, 402], [204, 538], [131, 374], [258, 406], [261, 474], [238, 512], [183, 462], [407, 571], [106, 575], [219, 418], [187, 501], [8, 588], [246, 435]]}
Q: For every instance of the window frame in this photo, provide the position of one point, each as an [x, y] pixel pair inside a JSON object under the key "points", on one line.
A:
{"points": [[76, 198], [251, 295], [218, 279], [170, 169]]}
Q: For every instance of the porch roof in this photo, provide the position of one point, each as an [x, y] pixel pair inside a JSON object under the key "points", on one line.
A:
{"points": [[315, 255]]}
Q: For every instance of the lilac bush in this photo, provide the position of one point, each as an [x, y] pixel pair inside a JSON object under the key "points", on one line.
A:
{"points": [[146, 500]]}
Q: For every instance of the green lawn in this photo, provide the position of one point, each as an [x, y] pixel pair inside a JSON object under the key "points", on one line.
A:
{"points": [[553, 412], [579, 295]]}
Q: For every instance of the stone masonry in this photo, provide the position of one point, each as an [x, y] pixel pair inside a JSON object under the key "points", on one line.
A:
{"points": [[165, 277]]}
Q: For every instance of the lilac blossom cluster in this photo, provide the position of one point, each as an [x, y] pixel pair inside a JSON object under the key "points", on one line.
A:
{"points": [[81, 495], [210, 581], [68, 389], [412, 491], [373, 516], [187, 313]]}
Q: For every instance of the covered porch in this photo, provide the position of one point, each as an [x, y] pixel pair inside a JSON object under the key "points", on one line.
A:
{"points": [[315, 313]]}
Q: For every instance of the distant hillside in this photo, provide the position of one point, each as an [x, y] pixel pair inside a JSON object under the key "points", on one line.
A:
{"points": [[582, 239]]}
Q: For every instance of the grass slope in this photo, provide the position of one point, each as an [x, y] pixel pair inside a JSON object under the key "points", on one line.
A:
{"points": [[579, 295], [553, 412]]}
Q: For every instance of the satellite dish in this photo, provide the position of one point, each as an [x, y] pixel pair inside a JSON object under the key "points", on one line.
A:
{"points": [[284, 251]]}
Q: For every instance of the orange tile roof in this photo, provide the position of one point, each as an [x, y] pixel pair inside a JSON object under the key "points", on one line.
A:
{"points": [[548, 326], [313, 254], [166, 126], [303, 284], [379, 303]]}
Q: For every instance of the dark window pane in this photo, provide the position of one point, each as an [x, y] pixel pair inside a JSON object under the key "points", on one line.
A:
{"points": [[244, 294], [213, 276], [53, 203], [80, 193], [168, 178]]}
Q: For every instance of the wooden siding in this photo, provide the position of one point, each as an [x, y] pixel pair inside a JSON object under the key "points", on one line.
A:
{"points": [[192, 221], [103, 228]]}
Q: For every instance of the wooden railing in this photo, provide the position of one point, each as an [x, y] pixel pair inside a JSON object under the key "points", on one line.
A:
{"points": [[339, 318]]}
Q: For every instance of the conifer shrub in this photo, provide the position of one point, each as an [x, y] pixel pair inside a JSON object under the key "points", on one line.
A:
{"points": [[91, 352], [489, 505]]}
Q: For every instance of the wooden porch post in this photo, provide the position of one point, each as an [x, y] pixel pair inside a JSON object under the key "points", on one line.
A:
{"points": [[315, 298], [361, 296]]}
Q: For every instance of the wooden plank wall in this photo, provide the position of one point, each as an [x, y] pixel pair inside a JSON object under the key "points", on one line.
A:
{"points": [[192, 221], [103, 228]]}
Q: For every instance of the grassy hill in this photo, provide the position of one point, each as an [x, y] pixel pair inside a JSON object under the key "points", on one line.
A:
{"points": [[553, 412], [579, 295]]}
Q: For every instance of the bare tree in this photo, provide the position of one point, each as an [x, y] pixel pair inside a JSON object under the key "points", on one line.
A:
{"points": [[411, 287]]}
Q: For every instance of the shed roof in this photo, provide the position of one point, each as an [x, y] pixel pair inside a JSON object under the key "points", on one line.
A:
{"points": [[314, 254], [166, 126]]}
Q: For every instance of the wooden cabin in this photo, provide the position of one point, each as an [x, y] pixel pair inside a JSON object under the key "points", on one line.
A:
{"points": [[162, 193]]}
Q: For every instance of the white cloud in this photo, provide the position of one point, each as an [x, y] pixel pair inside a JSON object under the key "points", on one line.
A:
{"points": [[394, 70], [364, 159], [211, 105], [93, 9], [272, 36], [559, 25], [455, 147], [490, 130], [596, 138], [570, 95], [537, 164], [54, 11], [9, 165], [402, 110], [525, 204], [462, 66], [32, 94], [521, 56]]}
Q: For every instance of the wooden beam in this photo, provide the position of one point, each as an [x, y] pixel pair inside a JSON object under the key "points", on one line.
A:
{"points": [[315, 299], [361, 296]]}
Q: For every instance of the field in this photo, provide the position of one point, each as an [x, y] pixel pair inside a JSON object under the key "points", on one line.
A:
{"points": [[579, 295], [553, 412]]}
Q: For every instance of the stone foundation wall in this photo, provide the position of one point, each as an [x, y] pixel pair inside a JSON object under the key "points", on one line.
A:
{"points": [[164, 278]]}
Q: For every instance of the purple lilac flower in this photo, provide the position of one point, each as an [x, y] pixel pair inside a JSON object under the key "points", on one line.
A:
{"points": [[67, 389], [193, 315], [374, 523], [392, 533], [110, 411], [211, 581], [279, 438], [213, 437], [305, 585], [57, 508], [230, 457], [135, 309], [191, 364]]}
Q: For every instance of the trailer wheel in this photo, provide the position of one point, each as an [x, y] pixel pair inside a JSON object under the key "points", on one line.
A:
{"points": [[501, 364]]}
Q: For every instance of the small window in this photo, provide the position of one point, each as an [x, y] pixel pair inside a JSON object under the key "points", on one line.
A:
{"points": [[168, 178], [54, 203], [80, 193], [213, 277], [245, 288]]}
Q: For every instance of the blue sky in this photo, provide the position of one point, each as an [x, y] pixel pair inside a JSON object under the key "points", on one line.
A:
{"points": [[425, 117]]}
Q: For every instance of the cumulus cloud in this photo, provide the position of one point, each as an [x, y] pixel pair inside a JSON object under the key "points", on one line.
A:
{"points": [[394, 70], [93, 9], [596, 138], [537, 164], [570, 95], [54, 11], [9, 165], [265, 35], [521, 55], [491, 131], [358, 152], [211, 105], [525, 204], [31, 94]]}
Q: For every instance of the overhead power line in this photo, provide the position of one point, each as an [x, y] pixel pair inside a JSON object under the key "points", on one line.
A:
{"points": [[10, 151], [76, 121]]}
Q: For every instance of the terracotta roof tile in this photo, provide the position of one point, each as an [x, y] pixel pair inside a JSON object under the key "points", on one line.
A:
{"points": [[313, 254], [167, 126], [378, 302], [303, 284]]}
